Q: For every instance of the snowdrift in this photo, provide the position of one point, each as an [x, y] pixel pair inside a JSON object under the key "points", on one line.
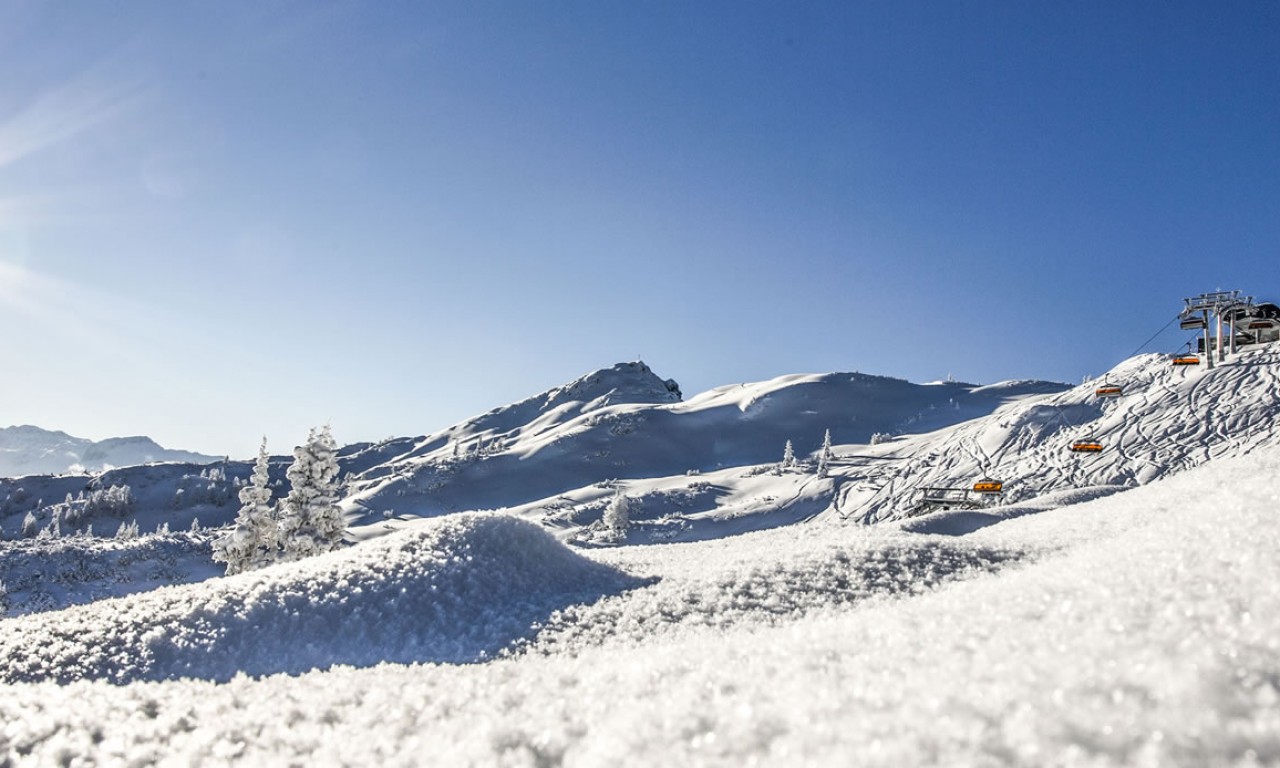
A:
{"points": [[456, 590]]}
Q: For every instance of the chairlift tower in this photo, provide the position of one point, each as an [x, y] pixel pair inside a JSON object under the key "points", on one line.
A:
{"points": [[1214, 305]]}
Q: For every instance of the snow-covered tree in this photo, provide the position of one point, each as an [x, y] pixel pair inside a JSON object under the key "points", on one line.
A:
{"points": [[255, 540], [127, 530], [55, 524], [617, 516], [117, 501], [881, 437], [30, 525], [788, 457], [310, 520], [824, 458]]}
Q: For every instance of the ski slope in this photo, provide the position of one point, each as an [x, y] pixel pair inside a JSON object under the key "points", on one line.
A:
{"points": [[1167, 420]]}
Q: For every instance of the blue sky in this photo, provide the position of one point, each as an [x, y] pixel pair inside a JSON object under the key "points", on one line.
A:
{"points": [[220, 220]]}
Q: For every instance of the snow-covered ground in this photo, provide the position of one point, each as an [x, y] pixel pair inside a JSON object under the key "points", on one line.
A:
{"points": [[1116, 608], [1137, 629]]}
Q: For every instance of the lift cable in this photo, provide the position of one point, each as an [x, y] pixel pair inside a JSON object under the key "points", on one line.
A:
{"points": [[1153, 336]]}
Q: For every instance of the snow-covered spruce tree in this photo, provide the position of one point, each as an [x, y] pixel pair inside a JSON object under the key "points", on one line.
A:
{"points": [[788, 457], [255, 540], [30, 525], [127, 530], [617, 516], [824, 458], [310, 520]]}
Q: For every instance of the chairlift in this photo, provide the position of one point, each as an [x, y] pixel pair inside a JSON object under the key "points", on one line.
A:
{"points": [[1086, 446], [1107, 390], [1190, 323], [987, 485], [1186, 360]]}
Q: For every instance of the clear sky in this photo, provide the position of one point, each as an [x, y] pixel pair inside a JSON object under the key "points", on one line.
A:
{"points": [[225, 219]]}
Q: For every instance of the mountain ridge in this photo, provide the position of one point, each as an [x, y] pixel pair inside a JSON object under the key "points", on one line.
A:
{"points": [[26, 449]]}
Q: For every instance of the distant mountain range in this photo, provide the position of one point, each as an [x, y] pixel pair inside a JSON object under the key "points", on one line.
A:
{"points": [[28, 450]]}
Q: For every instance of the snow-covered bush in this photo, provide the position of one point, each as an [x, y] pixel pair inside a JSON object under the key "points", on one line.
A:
{"points": [[881, 437], [255, 540], [617, 516], [310, 520]]}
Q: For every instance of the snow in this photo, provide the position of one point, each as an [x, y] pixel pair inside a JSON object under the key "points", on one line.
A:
{"points": [[51, 574], [1117, 609], [456, 591], [1136, 629]]}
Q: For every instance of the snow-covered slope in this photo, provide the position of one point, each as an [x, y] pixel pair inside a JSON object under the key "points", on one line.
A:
{"points": [[707, 467], [1168, 419], [1137, 629], [168, 494], [625, 424], [28, 450]]}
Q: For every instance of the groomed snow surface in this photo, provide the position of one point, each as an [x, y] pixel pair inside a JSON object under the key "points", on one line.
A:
{"points": [[1139, 628]]}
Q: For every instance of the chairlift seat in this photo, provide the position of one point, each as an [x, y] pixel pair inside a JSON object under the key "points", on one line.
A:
{"points": [[988, 486], [1086, 446], [1186, 360], [1108, 391]]}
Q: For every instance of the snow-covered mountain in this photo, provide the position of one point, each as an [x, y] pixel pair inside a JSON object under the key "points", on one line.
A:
{"points": [[28, 450], [624, 427], [707, 467]]}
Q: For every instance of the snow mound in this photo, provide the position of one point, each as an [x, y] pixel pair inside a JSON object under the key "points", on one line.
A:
{"points": [[459, 589]]}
